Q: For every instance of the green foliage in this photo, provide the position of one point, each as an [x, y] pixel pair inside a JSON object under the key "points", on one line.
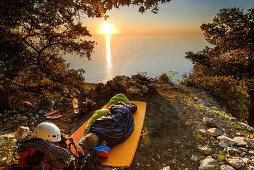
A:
{"points": [[167, 77], [226, 68], [230, 92], [219, 157], [7, 149]]}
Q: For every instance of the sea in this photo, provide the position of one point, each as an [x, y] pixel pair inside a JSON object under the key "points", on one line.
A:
{"points": [[132, 54]]}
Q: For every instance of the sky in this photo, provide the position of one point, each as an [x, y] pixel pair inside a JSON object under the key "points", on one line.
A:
{"points": [[178, 17]]}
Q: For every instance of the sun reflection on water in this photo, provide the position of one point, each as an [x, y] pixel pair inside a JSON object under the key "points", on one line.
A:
{"points": [[108, 58]]}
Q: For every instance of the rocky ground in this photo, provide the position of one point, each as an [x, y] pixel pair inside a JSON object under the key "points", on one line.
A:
{"points": [[184, 128]]}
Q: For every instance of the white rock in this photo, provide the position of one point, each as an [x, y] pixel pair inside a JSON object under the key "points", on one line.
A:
{"points": [[236, 162], [251, 152], [227, 167], [166, 168], [243, 149], [246, 160], [250, 142], [233, 119], [203, 131], [215, 132], [232, 150], [247, 127], [133, 90], [22, 132], [240, 141], [37, 116], [209, 164], [225, 141], [205, 150], [194, 158], [209, 122]]}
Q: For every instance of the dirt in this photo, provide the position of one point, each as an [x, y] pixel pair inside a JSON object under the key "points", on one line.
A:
{"points": [[170, 132]]}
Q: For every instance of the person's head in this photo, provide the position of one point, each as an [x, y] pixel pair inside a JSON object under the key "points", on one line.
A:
{"points": [[48, 132], [90, 140]]}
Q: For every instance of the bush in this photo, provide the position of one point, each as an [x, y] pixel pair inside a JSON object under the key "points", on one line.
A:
{"points": [[231, 93], [167, 77], [7, 149]]}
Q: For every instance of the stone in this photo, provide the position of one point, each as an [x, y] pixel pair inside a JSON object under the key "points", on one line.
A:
{"points": [[202, 132], [44, 104], [22, 118], [251, 152], [8, 136], [236, 162], [205, 150], [22, 132], [232, 119], [24, 106], [209, 164], [215, 132], [122, 85], [151, 86], [195, 158], [242, 149], [249, 167], [232, 150], [143, 88], [240, 141], [247, 127], [67, 101], [225, 141], [246, 160], [133, 90], [139, 76], [250, 142], [209, 122], [226, 167], [112, 84]]}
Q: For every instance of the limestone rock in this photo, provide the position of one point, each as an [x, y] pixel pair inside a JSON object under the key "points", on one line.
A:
{"points": [[195, 158], [122, 84], [112, 84], [236, 162], [251, 152], [225, 141], [22, 132], [227, 167], [232, 150], [250, 142], [205, 150], [151, 85], [133, 90], [247, 127], [24, 106], [215, 132], [143, 88], [202, 132], [22, 118], [233, 119], [209, 164], [209, 122], [240, 141]]}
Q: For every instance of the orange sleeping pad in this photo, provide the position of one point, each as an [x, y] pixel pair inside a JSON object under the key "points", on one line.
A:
{"points": [[121, 155]]}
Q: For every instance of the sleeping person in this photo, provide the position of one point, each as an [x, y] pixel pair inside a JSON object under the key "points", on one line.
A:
{"points": [[109, 127]]}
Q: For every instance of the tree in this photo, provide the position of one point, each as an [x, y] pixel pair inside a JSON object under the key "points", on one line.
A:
{"points": [[33, 32], [231, 35]]}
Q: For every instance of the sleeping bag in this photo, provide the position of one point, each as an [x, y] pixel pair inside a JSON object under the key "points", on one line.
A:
{"points": [[117, 125]]}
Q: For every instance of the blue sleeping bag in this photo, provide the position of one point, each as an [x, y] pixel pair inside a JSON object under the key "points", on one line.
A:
{"points": [[117, 125]]}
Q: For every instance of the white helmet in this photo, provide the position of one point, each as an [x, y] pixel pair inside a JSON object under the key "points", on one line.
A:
{"points": [[47, 131]]}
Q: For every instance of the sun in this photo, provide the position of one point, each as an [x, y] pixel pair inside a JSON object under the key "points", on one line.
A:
{"points": [[107, 28]]}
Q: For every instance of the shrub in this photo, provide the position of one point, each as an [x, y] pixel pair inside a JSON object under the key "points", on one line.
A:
{"points": [[231, 93], [167, 77]]}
